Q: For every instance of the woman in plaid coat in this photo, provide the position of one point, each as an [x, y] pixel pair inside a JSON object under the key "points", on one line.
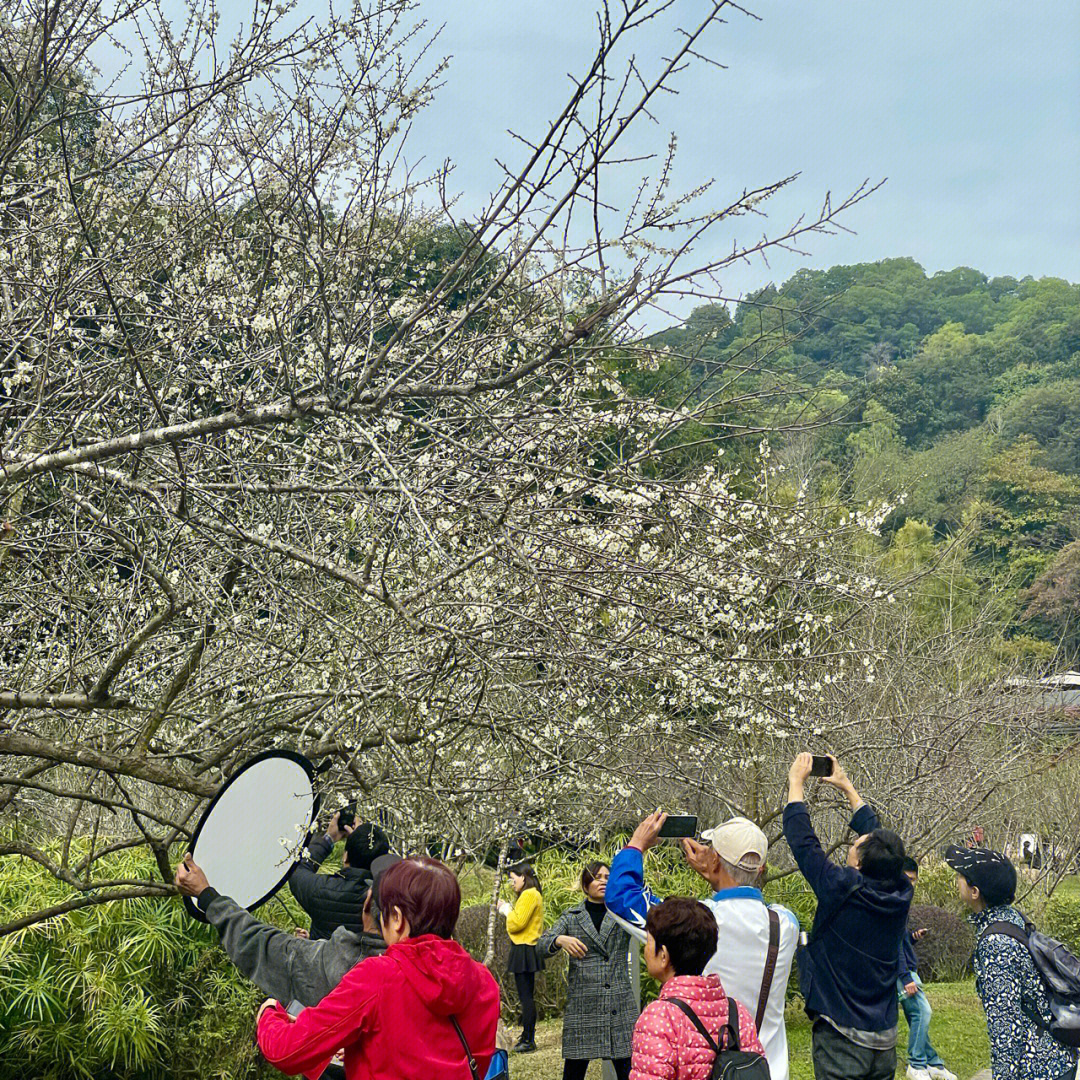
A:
{"points": [[600, 1006]]}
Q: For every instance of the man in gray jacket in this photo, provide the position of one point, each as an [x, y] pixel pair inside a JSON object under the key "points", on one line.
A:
{"points": [[286, 967]]}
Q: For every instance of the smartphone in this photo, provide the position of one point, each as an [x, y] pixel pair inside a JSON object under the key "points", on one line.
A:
{"points": [[676, 826], [822, 766]]}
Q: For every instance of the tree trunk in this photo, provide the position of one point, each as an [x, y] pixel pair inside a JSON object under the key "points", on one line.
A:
{"points": [[500, 869]]}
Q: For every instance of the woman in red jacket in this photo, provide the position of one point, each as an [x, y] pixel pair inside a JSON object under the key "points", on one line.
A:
{"points": [[394, 1014], [681, 938]]}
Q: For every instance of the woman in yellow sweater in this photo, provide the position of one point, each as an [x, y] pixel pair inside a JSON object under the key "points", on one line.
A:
{"points": [[524, 924]]}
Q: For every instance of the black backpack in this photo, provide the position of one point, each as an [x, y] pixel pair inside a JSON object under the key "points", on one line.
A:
{"points": [[1059, 970], [731, 1062]]}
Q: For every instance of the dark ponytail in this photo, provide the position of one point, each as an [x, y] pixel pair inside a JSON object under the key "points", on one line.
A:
{"points": [[526, 871]]}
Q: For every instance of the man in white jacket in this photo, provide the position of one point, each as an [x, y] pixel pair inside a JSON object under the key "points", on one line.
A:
{"points": [[750, 933]]}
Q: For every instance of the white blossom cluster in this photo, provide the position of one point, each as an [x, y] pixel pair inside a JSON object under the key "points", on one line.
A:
{"points": [[291, 457]]}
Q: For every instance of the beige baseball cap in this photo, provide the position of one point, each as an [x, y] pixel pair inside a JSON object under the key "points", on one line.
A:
{"points": [[740, 842]]}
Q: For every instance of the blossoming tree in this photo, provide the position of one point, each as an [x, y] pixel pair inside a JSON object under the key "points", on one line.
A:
{"points": [[292, 456]]}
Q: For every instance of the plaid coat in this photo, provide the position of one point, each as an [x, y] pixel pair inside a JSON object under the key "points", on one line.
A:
{"points": [[600, 1006]]}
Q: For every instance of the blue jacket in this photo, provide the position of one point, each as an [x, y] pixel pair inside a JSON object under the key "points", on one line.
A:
{"points": [[628, 898], [848, 970], [909, 962]]}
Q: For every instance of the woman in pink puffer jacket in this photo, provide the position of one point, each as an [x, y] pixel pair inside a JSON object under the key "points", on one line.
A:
{"points": [[667, 1046]]}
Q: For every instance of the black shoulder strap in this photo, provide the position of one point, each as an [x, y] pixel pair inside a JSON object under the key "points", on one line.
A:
{"points": [[1000, 926], [693, 1017], [1023, 935], [770, 967], [1009, 929], [732, 1025], [468, 1053]]}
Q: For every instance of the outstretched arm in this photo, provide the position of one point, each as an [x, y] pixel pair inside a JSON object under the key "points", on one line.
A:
{"points": [[627, 898], [264, 954], [306, 884], [864, 819], [822, 875], [307, 1043]]}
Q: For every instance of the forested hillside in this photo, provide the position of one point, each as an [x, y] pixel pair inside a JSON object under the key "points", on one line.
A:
{"points": [[957, 396]]}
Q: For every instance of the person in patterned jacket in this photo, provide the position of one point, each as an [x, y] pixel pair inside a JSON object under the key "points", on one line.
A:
{"points": [[681, 935], [1012, 993]]}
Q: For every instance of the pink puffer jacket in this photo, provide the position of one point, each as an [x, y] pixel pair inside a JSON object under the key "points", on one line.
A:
{"points": [[667, 1046]]}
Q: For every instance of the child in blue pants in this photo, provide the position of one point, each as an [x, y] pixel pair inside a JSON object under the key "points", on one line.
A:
{"points": [[924, 1063]]}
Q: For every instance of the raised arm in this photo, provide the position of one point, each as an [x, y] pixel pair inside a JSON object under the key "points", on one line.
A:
{"points": [[305, 882], [823, 876], [627, 898], [262, 953], [267, 956]]}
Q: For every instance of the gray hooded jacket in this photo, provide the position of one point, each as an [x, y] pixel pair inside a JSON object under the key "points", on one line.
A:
{"points": [[279, 963]]}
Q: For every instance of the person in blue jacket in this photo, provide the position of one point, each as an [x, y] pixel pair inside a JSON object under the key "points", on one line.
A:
{"points": [[847, 971], [924, 1062], [732, 860]]}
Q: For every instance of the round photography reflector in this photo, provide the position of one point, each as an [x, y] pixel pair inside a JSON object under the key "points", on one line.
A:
{"points": [[254, 829]]}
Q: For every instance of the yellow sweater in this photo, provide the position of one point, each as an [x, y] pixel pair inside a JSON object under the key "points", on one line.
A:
{"points": [[525, 920]]}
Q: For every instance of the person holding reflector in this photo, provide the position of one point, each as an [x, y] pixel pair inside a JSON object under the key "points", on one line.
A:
{"points": [[290, 968], [424, 1009]]}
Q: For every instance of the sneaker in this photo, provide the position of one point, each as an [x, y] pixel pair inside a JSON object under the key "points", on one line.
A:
{"points": [[939, 1072], [523, 1047], [919, 1074]]}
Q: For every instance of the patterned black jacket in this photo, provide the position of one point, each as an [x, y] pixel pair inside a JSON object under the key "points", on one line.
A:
{"points": [[1013, 995]]}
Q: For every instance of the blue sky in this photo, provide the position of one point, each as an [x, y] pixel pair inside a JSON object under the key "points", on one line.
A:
{"points": [[970, 108]]}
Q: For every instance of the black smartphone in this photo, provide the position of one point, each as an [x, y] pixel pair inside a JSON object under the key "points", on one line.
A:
{"points": [[347, 815], [676, 826], [822, 766]]}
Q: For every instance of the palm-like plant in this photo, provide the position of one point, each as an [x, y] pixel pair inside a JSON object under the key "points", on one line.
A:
{"points": [[129, 989]]}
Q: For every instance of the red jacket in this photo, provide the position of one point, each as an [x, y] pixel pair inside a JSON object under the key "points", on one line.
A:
{"points": [[667, 1046], [391, 1014]]}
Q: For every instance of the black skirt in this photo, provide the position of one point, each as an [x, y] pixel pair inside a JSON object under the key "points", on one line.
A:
{"points": [[523, 958]]}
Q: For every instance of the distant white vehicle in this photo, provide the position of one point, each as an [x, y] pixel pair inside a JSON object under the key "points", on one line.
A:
{"points": [[1069, 680]]}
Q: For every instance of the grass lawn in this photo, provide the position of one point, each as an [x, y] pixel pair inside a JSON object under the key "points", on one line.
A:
{"points": [[1069, 886], [958, 1031]]}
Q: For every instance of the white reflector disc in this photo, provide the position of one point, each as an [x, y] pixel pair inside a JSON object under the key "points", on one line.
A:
{"points": [[254, 829]]}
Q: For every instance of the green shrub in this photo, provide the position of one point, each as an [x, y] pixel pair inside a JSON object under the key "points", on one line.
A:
{"points": [[1061, 919], [937, 886], [944, 953], [550, 983], [795, 894]]}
